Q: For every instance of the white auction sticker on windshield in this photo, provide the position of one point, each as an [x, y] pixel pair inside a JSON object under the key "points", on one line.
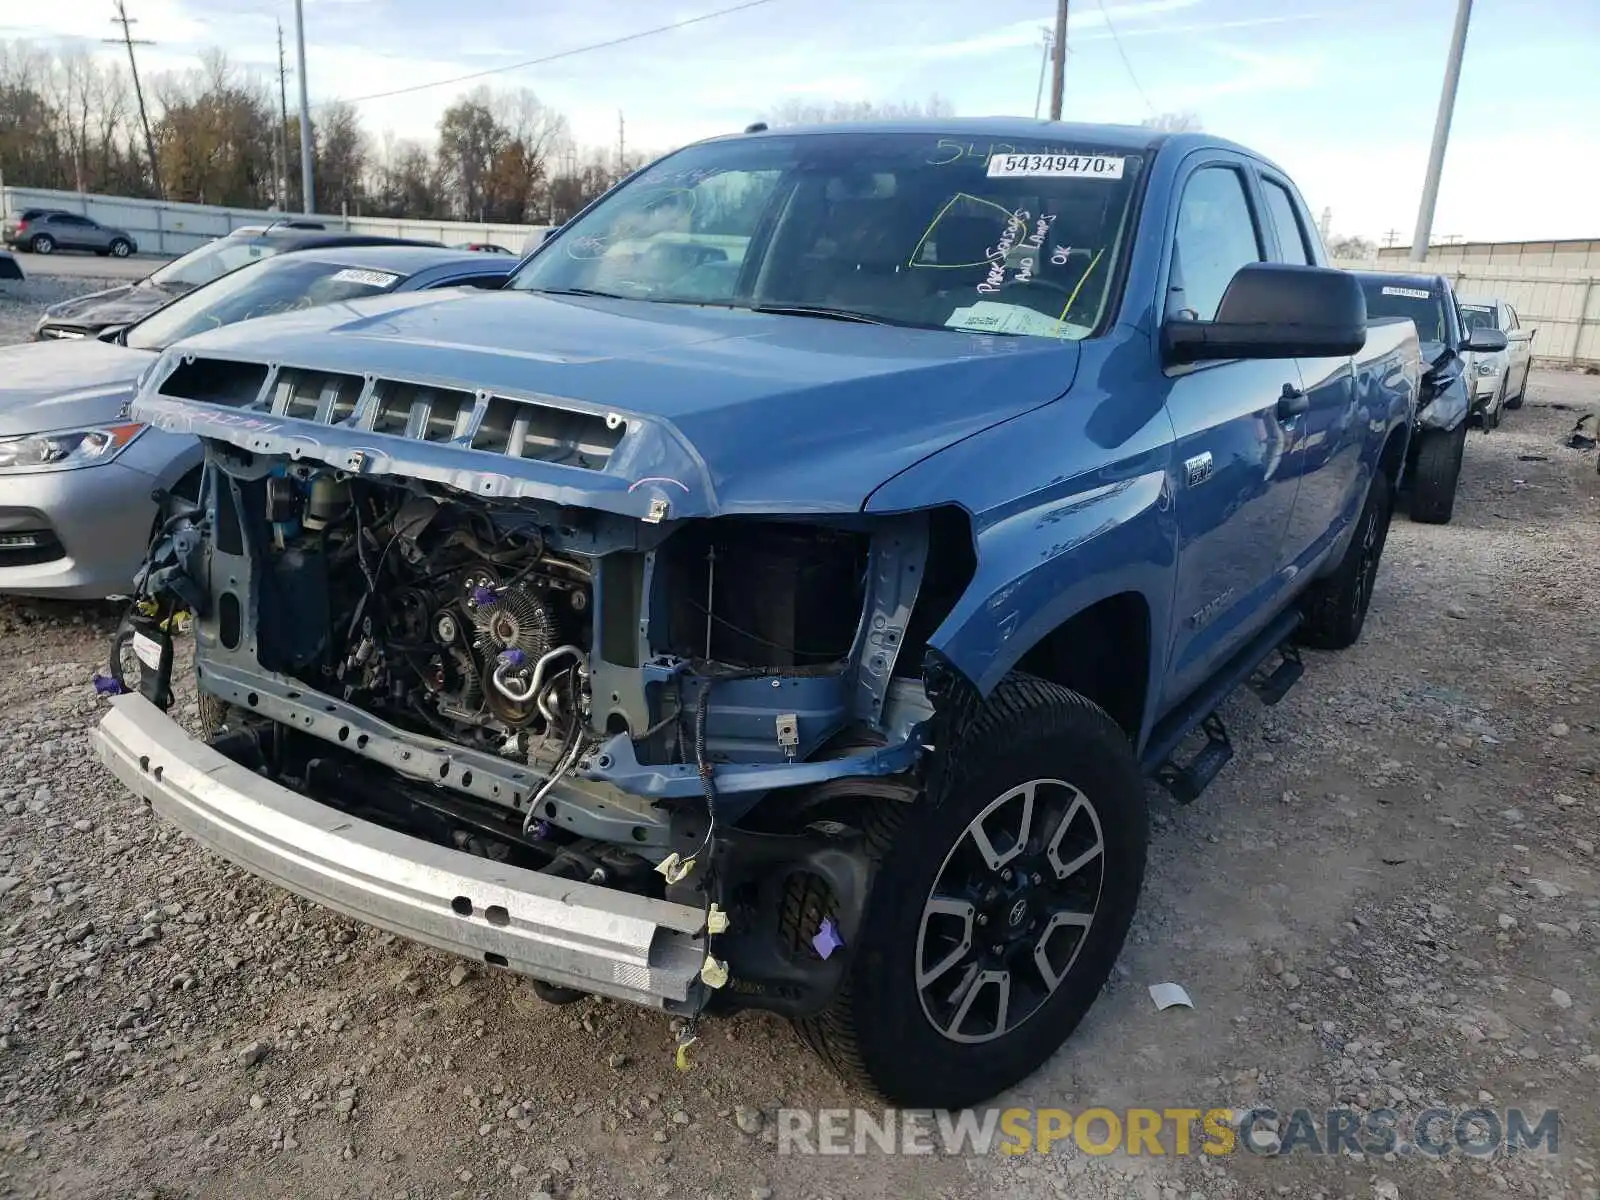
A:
{"points": [[1409, 293], [381, 279], [1059, 166], [993, 316]]}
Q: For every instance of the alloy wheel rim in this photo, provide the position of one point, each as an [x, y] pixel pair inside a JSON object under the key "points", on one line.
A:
{"points": [[1010, 910]]}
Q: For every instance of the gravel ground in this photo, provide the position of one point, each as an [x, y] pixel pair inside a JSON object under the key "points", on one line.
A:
{"points": [[1389, 898]]}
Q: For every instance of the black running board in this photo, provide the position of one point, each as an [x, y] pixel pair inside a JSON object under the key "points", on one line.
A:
{"points": [[1272, 686], [1186, 781]]}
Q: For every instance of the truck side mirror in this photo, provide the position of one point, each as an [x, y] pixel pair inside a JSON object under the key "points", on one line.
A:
{"points": [[1276, 310]]}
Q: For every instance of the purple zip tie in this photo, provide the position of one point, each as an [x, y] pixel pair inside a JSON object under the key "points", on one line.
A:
{"points": [[827, 939], [513, 657], [104, 685], [482, 595]]}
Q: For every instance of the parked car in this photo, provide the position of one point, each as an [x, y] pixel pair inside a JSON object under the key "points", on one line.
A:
{"points": [[1500, 379], [44, 231], [484, 247], [774, 596], [280, 223], [76, 472], [1438, 444], [86, 316], [10, 268]]}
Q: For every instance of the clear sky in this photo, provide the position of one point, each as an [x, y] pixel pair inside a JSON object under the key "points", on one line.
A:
{"points": [[1341, 94]]}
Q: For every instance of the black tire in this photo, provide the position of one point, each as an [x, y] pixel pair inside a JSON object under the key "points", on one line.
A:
{"points": [[1335, 607], [879, 1032], [1493, 410], [1433, 486], [42, 243], [1515, 402], [121, 247]]}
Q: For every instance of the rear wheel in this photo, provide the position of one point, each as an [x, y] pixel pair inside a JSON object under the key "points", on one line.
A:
{"points": [[42, 243], [121, 247], [1433, 494], [1000, 904], [1335, 607]]}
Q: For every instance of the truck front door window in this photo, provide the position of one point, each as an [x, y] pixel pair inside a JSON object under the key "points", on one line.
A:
{"points": [[1216, 236]]}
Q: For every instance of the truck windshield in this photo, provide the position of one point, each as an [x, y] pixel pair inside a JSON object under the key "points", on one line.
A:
{"points": [[893, 228], [1419, 301]]}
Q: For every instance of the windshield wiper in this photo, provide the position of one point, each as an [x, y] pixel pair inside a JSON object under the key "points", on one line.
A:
{"points": [[827, 314], [574, 291]]}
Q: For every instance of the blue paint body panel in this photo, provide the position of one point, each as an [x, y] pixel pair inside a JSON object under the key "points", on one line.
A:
{"points": [[1089, 470]]}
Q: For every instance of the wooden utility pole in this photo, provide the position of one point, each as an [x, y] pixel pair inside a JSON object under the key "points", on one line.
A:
{"points": [[622, 155], [1058, 60], [283, 127], [127, 39]]}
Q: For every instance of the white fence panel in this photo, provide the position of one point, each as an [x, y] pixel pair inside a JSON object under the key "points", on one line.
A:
{"points": [[172, 228], [1562, 303]]}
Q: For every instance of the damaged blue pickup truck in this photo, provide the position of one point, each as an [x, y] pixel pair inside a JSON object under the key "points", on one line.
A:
{"points": [[780, 593]]}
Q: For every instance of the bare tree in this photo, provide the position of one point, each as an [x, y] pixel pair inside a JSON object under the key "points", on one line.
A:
{"points": [[804, 112], [214, 135], [1352, 248], [341, 152], [1174, 122]]}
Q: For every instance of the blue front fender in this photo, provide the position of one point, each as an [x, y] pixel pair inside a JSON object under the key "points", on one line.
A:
{"points": [[1070, 504]]}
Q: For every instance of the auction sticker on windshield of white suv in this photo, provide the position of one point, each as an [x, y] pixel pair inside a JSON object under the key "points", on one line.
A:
{"points": [[1060, 166]]}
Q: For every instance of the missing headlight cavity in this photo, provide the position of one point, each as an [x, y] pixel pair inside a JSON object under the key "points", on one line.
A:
{"points": [[216, 381], [764, 594]]}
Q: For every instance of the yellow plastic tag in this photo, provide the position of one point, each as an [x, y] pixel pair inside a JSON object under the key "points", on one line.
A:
{"points": [[716, 920], [681, 1058], [714, 973]]}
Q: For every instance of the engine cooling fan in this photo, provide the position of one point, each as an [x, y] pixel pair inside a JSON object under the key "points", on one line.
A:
{"points": [[513, 619]]}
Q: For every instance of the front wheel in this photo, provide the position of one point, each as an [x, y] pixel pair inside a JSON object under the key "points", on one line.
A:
{"points": [[1496, 405], [121, 247], [1335, 607], [1515, 402], [1433, 489], [1001, 902]]}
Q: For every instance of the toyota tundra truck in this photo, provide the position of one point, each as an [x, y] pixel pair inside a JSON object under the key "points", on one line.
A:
{"points": [[779, 595]]}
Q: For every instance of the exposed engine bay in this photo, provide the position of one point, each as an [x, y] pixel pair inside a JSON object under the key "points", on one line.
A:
{"points": [[440, 620], [690, 711]]}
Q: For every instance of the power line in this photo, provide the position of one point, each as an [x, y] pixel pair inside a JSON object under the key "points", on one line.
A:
{"points": [[122, 18], [1123, 55], [548, 58]]}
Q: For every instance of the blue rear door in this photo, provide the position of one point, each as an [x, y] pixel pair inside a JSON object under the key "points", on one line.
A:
{"points": [[1328, 437]]}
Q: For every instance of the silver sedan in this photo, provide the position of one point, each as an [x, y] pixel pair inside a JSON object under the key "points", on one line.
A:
{"points": [[79, 482]]}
